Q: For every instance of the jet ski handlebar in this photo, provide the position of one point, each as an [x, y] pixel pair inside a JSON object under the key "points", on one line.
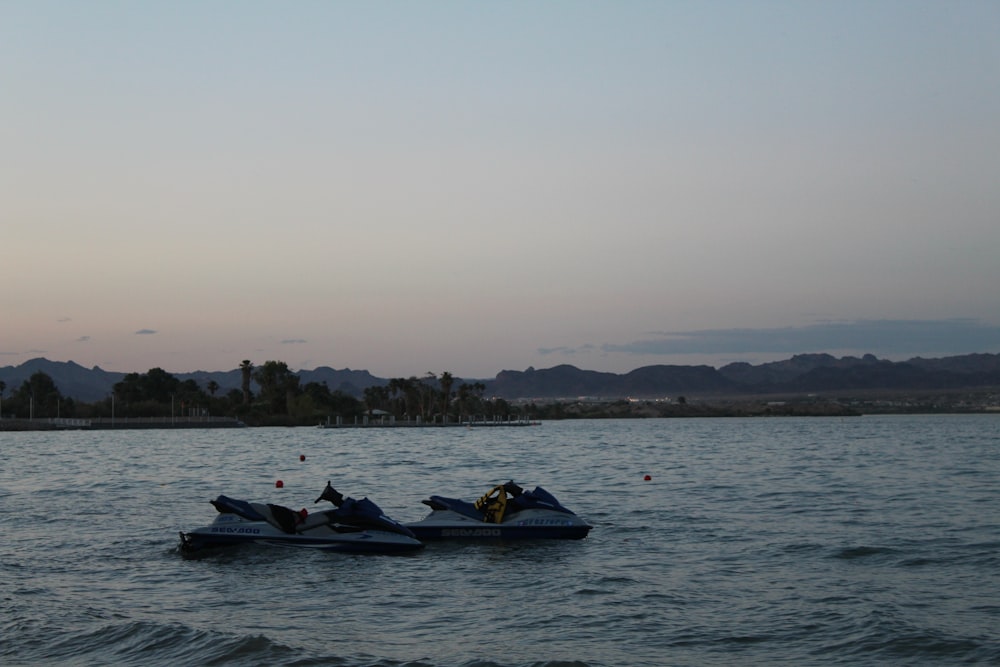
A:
{"points": [[512, 488], [331, 494]]}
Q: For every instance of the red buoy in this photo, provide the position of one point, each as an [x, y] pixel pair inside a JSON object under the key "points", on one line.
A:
{"points": [[279, 484], [302, 457], [647, 478]]}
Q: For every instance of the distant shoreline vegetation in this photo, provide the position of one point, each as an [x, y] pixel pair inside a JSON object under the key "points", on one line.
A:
{"points": [[280, 399], [272, 395]]}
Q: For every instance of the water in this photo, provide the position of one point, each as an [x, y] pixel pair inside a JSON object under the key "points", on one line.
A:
{"points": [[855, 541]]}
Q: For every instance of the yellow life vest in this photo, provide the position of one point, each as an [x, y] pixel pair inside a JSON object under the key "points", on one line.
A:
{"points": [[493, 508]]}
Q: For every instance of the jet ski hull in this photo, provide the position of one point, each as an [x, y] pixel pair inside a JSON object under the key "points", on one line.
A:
{"points": [[527, 525], [353, 526], [525, 515], [230, 530]]}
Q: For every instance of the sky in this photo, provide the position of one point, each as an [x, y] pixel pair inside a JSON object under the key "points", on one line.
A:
{"points": [[415, 187]]}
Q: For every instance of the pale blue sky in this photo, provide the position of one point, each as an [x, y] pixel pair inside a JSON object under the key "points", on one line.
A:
{"points": [[408, 187]]}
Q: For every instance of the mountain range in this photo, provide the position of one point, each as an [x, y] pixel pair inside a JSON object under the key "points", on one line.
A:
{"points": [[802, 374]]}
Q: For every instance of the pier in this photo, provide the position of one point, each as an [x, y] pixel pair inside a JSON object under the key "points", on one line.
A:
{"points": [[107, 423], [390, 421]]}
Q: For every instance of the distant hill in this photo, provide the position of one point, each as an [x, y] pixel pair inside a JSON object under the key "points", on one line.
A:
{"points": [[649, 381], [73, 380], [95, 384], [804, 373], [823, 372]]}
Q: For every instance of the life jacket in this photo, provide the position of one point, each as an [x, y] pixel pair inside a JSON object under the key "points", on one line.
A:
{"points": [[493, 508]]}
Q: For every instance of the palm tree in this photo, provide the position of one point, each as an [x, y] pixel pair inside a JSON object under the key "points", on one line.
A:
{"points": [[396, 387], [469, 396], [376, 397], [447, 380], [428, 395], [278, 386], [246, 368], [411, 395]]}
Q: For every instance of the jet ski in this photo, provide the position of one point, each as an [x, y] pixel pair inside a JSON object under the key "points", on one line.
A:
{"points": [[505, 512], [357, 526]]}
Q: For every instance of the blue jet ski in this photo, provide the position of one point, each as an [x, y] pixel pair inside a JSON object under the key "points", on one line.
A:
{"points": [[506, 512], [351, 526]]}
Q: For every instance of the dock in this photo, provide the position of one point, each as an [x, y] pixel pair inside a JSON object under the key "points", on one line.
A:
{"points": [[107, 423], [390, 421]]}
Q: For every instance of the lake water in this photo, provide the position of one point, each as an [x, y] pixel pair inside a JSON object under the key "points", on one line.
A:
{"points": [[857, 541]]}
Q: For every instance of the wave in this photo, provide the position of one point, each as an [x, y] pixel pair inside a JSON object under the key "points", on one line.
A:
{"points": [[146, 643], [850, 553], [884, 637]]}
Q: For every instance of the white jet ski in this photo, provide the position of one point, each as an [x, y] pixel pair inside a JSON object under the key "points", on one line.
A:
{"points": [[506, 512], [351, 526]]}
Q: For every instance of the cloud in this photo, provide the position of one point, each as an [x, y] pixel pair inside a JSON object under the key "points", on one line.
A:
{"points": [[293, 341], [145, 332], [83, 339], [579, 349], [65, 319], [956, 336], [553, 350]]}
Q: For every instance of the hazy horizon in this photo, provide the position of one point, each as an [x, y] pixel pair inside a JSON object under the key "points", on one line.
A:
{"points": [[474, 187], [437, 372]]}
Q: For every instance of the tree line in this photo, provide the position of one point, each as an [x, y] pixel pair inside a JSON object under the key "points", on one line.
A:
{"points": [[280, 399]]}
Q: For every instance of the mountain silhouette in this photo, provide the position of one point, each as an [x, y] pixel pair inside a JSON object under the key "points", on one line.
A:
{"points": [[801, 374]]}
